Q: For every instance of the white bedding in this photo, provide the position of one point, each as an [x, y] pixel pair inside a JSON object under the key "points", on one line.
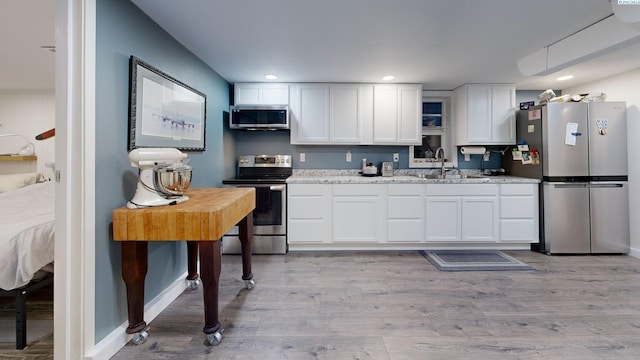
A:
{"points": [[26, 233]]}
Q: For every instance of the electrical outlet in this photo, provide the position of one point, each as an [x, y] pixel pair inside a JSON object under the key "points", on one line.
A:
{"points": [[396, 157], [348, 156], [302, 157]]}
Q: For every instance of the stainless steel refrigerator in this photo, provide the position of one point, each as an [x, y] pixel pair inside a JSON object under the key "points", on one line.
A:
{"points": [[579, 152]]}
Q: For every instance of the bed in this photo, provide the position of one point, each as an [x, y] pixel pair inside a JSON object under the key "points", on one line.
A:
{"points": [[26, 240]]}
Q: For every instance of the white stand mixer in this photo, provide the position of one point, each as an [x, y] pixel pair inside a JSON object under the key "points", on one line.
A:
{"points": [[163, 177]]}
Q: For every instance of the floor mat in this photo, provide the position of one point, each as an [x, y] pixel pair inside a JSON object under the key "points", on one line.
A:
{"points": [[473, 260]]}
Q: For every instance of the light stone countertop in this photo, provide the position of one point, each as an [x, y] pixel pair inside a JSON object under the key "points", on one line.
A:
{"points": [[401, 176]]}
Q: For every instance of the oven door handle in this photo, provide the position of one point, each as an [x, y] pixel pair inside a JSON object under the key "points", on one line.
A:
{"points": [[277, 187]]}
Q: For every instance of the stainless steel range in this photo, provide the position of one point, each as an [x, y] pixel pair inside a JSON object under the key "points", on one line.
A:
{"points": [[268, 175]]}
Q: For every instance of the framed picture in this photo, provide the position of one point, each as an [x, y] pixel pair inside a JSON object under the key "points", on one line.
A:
{"points": [[164, 112]]}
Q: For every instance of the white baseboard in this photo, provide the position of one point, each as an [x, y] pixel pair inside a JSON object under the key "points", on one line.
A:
{"points": [[118, 338], [634, 252]]}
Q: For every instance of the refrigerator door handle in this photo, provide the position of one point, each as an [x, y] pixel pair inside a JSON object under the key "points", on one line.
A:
{"points": [[605, 185], [570, 186]]}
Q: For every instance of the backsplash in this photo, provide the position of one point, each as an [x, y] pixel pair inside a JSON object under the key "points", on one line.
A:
{"points": [[334, 156]]}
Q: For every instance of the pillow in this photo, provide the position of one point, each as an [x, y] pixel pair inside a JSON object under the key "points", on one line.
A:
{"points": [[16, 181]]}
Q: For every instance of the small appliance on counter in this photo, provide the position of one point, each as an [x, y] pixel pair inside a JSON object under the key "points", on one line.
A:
{"points": [[164, 176], [385, 168], [370, 170]]}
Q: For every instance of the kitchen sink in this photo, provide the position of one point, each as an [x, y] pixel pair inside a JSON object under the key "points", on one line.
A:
{"points": [[451, 176]]}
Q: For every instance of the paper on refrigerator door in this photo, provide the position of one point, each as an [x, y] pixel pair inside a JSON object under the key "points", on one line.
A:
{"points": [[572, 133]]}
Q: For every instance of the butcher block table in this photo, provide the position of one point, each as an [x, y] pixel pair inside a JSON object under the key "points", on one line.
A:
{"points": [[200, 221]]}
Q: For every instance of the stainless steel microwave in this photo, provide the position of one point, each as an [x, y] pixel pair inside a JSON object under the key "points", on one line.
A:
{"points": [[259, 117]]}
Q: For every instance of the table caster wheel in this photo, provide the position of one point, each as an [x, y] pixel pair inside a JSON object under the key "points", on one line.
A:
{"points": [[140, 337], [215, 338], [194, 284], [249, 284]]}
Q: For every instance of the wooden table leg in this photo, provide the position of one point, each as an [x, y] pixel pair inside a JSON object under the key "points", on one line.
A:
{"points": [[134, 270], [246, 236], [192, 260], [210, 265]]}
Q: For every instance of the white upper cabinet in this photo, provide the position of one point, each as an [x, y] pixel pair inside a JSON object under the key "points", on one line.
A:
{"points": [[484, 114], [261, 94], [355, 114], [385, 114], [329, 113], [410, 114], [397, 114], [310, 113], [347, 108], [503, 109]]}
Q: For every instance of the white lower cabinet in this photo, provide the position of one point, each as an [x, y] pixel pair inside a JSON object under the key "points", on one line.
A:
{"points": [[444, 218], [358, 214], [479, 219], [519, 213], [411, 216], [462, 213], [405, 213], [309, 213]]}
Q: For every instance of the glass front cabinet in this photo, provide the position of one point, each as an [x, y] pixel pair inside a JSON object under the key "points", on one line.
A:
{"points": [[436, 133]]}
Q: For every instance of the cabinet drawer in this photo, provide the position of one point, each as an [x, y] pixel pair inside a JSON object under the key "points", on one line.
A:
{"points": [[309, 190], [310, 231], [462, 189], [358, 189], [518, 230], [517, 189], [405, 189], [513, 207]]}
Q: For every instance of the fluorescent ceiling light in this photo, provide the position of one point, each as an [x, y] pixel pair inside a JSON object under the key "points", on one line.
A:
{"points": [[566, 77], [271, 77], [388, 77]]}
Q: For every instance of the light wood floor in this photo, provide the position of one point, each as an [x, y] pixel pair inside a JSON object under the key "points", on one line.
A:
{"points": [[39, 326], [396, 305]]}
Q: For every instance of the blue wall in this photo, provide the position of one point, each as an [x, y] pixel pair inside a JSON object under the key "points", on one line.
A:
{"points": [[123, 30]]}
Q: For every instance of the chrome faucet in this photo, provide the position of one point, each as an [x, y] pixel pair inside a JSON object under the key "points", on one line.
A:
{"points": [[441, 150]]}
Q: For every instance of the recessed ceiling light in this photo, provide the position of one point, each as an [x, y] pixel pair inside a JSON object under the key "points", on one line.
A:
{"points": [[388, 77], [566, 77], [271, 77]]}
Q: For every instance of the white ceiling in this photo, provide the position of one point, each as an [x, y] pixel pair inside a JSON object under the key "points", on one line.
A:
{"points": [[439, 43]]}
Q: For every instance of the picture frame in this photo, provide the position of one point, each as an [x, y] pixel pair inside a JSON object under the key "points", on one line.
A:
{"points": [[163, 111]]}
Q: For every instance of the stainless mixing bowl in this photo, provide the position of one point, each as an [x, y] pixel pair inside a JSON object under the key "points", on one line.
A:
{"points": [[172, 180]]}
